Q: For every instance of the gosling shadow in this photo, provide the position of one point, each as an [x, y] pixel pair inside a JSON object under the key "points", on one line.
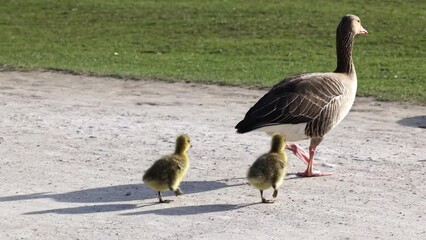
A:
{"points": [[417, 121], [192, 210], [87, 209], [118, 193]]}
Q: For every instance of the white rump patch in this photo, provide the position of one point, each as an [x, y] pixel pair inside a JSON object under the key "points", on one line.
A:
{"points": [[292, 132]]}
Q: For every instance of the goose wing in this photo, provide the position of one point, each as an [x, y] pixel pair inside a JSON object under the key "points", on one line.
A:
{"points": [[298, 99]]}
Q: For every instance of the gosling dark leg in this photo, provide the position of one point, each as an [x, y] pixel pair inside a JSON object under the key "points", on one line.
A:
{"points": [[161, 198], [178, 192], [261, 196], [275, 194], [264, 199]]}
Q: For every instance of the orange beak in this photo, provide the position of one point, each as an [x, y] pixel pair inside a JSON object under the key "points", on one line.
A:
{"points": [[363, 31]]}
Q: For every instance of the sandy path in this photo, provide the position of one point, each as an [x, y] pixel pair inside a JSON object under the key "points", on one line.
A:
{"points": [[73, 150]]}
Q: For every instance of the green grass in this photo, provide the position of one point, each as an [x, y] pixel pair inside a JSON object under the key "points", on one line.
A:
{"points": [[245, 42]]}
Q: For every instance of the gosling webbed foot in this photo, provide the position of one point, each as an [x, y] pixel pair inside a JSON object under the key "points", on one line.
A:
{"points": [[264, 200], [165, 201], [178, 192], [161, 200]]}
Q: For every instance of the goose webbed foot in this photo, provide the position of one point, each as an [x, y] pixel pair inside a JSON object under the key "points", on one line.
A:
{"points": [[312, 174], [309, 172]]}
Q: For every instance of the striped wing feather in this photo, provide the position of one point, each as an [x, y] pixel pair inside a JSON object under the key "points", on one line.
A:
{"points": [[298, 99]]}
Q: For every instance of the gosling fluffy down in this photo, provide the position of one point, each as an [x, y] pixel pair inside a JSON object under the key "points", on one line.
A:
{"points": [[269, 170], [168, 172]]}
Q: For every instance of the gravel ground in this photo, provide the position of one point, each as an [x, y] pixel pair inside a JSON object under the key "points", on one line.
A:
{"points": [[73, 150]]}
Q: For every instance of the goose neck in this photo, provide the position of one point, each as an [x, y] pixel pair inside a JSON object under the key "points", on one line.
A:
{"points": [[344, 46]]}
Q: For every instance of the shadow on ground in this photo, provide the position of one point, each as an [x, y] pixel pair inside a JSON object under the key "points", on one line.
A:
{"points": [[102, 208], [105, 199], [191, 210], [87, 209], [417, 121], [119, 193]]}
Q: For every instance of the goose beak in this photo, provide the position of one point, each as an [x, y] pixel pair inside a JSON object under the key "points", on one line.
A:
{"points": [[362, 31]]}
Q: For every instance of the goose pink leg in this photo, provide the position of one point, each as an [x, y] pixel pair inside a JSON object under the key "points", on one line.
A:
{"points": [[309, 170], [299, 152]]}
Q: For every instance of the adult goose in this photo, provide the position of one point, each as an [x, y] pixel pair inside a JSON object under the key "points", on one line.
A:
{"points": [[309, 105]]}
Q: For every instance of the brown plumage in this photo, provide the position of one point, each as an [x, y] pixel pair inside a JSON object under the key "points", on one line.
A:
{"points": [[168, 172], [309, 105], [269, 170]]}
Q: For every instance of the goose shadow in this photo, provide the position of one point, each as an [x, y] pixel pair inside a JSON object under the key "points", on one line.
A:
{"points": [[417, 121], [119, 193], [292, 176], [192, 210]]}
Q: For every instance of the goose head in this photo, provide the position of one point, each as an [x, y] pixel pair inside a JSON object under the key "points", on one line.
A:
{"points": [[351, 24]]}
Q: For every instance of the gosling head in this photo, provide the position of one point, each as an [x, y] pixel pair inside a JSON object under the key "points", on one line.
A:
{"points": [[351, 24], [183, 143], [278, 142]]}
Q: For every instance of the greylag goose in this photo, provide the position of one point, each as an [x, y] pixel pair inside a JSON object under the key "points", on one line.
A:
{"points": [[309, 105], [269, 169], [167, 172]]}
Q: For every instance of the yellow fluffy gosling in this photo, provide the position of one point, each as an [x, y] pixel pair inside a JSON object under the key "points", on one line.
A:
{"points": [[270, 169], [167, 172]]}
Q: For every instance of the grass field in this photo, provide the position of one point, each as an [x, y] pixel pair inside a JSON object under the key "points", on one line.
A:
{"points": [[245, 42]]}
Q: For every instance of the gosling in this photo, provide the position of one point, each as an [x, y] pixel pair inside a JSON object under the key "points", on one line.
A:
{"points": [[168, 172], [270, 169]]}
